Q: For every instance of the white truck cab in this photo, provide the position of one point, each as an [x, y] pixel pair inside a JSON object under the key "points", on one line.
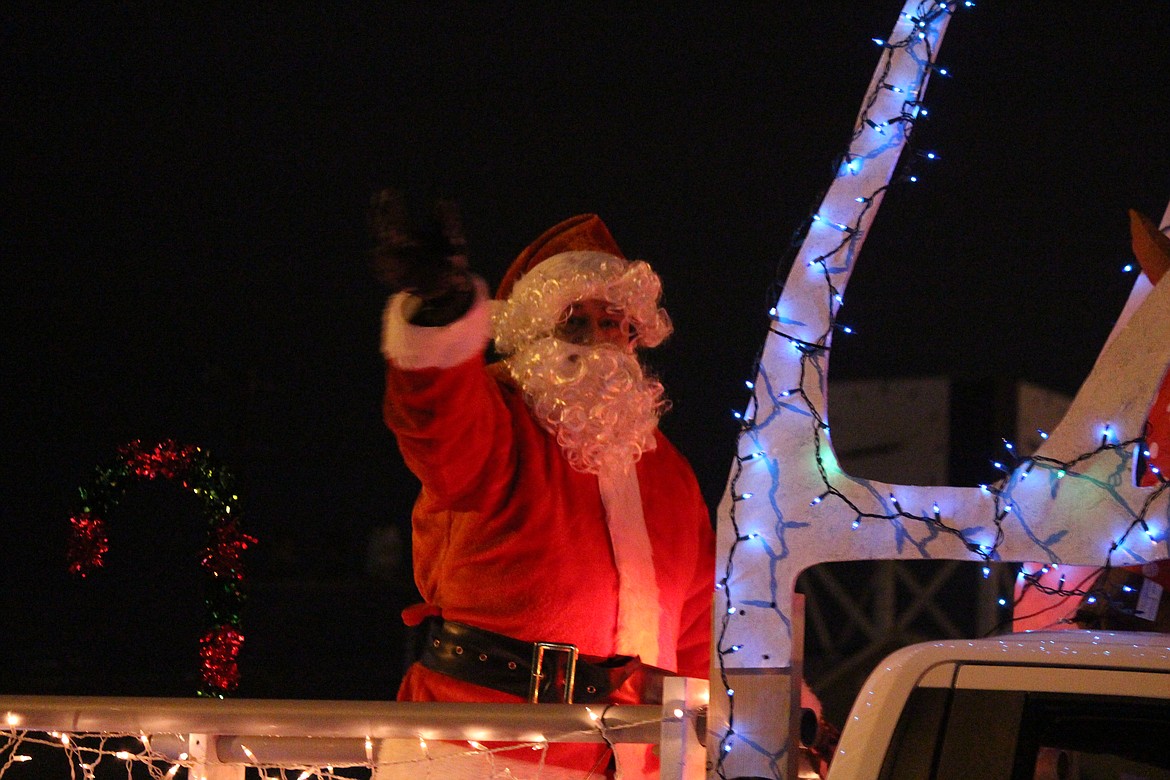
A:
{"points": [[1053, 705]]}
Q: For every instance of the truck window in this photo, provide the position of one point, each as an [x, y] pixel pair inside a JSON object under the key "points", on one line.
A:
{"points": [[1079, 737], [912, 750], [980, 737], [1002, 735]]}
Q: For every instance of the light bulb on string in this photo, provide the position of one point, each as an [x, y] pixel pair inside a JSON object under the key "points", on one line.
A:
{"points": [[835, 225]]}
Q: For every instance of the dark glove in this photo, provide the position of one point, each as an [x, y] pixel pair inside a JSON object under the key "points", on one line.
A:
{"points": [[428, 260]]}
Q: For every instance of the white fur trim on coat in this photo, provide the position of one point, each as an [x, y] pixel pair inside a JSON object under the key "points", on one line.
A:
{"points": [[414, 346], [638, 599]]}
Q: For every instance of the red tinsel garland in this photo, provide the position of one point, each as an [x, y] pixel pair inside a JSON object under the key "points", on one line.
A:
{"points": [[89, 543], [221, 558], [219, 650], [166, 459]]}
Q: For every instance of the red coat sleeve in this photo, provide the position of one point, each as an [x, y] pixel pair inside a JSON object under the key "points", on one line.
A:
{"points": [[453, 427]]}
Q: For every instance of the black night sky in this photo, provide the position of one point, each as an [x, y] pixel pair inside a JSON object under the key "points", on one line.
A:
{"points": [[184, 248]]}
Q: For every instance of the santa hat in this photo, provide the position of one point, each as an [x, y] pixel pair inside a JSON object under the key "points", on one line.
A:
{"points": [[575, 260], [582, 232]]}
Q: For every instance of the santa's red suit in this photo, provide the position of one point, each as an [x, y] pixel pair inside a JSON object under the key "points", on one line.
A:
{"points": [[510, 538]]}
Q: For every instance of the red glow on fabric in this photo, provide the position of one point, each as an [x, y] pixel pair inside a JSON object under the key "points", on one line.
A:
{"points": [[1158, 437]]}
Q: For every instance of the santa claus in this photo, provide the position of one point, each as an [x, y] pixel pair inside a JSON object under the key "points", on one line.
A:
{"points": [[561, 544]]}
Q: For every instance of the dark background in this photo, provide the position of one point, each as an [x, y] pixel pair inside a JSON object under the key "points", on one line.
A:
{"points": [[184, 255]]}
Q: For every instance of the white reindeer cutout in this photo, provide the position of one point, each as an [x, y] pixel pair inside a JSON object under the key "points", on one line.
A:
{"points": [[789, 505]]}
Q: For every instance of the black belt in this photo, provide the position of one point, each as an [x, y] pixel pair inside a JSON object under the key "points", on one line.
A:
{"points": [[535, 671]]}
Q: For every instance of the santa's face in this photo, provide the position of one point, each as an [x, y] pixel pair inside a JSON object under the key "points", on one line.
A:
{"points": [[592, 322]]}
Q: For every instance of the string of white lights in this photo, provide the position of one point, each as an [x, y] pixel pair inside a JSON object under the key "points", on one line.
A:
{"points": [[74, 754]]}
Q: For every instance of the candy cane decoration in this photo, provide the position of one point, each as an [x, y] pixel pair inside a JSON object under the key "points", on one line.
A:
{"points": [[789, 505], [222, 558]]}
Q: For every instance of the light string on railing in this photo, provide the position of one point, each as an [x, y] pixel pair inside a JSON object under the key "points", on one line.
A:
{"points": [[848, 164], [85, 751]]}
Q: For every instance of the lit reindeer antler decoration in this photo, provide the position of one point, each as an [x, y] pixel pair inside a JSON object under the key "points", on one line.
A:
{"points": [[789, 505]]}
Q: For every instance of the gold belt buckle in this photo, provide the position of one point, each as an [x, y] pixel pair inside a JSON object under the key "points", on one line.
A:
{"points": [[538, 673]]}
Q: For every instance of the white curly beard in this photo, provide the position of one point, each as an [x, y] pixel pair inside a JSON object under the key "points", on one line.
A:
{"points": [[597, 401]]}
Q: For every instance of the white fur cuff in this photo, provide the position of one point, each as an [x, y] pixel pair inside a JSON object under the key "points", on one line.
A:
{"points": [[413, 346]]}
